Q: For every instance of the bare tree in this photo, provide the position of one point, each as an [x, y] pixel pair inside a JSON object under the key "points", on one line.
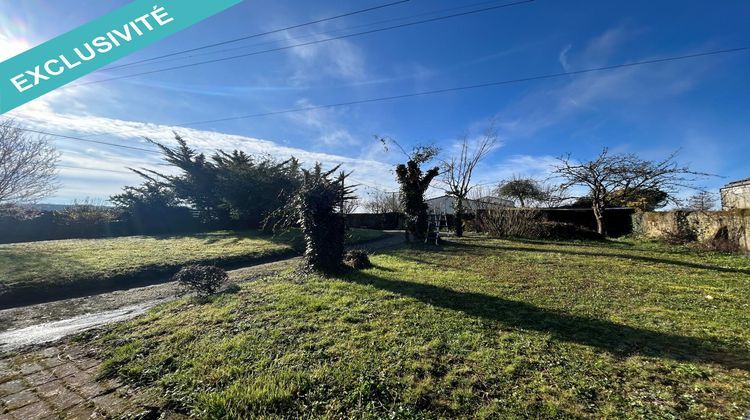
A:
{"points": [[458, 170], [27, 165], [622, 177], [350, 206], [382, 202], [702, 201]]}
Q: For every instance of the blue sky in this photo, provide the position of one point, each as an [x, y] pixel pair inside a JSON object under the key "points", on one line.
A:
{"points": [[699, 106]]}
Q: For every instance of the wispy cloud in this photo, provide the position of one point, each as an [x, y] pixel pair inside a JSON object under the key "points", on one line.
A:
{"points": [[563, 57], [548, 105], [338, 59], [324, 122], [41, 116]]}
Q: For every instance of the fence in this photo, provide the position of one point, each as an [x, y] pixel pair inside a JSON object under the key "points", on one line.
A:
{"points": [[619, 220]]}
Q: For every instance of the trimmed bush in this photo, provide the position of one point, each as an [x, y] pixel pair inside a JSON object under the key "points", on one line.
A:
{"points": [[523, 223], [204, 280], [357, 259], [565, 231]]}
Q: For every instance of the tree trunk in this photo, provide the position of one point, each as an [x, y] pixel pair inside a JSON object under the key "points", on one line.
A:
{"points": [[522, 203], [599, 215], [459, 219]]}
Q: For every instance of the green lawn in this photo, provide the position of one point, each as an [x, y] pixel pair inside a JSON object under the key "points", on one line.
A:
{"points": [[477, 328], [71, 261]]}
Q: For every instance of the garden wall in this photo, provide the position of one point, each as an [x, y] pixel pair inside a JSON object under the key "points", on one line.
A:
{"points": [[705, 225], [380, 221], [618, 221], [53, 225]]}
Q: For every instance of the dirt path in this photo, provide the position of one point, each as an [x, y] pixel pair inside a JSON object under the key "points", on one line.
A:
{"points": [[47, 322]]}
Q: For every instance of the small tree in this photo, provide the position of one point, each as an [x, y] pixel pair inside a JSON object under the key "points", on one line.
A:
{"points": [[522, 190], [316, 208], [623, 177], [702, 201], [27, 166], [458, 170]]}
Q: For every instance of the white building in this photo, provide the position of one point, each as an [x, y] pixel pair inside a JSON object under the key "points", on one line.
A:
{"points": [[446, 204], [736, 195]]}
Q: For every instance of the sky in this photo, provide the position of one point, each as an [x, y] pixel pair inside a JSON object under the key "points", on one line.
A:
{"points": [[700, 107]]}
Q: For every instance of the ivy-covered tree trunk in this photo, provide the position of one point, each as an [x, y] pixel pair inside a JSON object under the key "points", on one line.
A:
{"points": [[413, 187], [324, 231], [459, 217], [316, 209]]}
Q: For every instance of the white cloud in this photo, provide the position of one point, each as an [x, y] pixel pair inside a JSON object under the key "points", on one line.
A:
{"points": [[323, 121], [102, 184], [340, 59], [11, 47], [563, 57]]}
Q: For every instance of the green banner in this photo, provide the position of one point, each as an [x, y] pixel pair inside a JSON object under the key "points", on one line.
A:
{"points": [[77, 53]]}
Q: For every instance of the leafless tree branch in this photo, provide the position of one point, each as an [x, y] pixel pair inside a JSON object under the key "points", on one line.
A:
{"points": [[27, 165]]}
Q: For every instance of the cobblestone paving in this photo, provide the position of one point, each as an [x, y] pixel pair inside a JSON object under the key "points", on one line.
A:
{"points": [[59, 382]]}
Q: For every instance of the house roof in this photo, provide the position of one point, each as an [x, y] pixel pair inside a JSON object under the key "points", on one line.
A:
{"points": [[745, 181], [489, 200]]}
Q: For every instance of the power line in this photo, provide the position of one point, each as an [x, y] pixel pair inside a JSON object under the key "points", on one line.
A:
{"points": [[94, 169], [476, 86], [304, 44], [374, 187], [159, 60], [423, 93], [45, 133], [274, 31]]}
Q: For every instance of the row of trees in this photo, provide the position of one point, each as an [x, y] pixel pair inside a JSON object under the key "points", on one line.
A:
{"points": [[227, 190], [236, 190], [609, 180], [240, 191]]}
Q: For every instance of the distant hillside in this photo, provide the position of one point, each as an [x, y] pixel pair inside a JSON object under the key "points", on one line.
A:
{"points": [[50, 207]]}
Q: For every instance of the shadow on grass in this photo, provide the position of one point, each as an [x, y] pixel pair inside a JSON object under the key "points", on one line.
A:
{"points": [[618, 339], [603, 243], [465, 245]]}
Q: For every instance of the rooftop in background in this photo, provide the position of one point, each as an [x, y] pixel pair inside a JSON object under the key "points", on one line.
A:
{"points": [[745, 181], [736, 195], [446, 203]]}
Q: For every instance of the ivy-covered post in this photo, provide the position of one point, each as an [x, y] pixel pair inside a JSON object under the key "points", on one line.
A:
{"points": [[413, 187]]}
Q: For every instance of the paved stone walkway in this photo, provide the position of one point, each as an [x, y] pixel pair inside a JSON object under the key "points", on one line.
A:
{"points": [[59, 382]]}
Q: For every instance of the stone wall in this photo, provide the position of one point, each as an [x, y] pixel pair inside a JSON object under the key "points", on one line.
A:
{"points": [[705, 225]]}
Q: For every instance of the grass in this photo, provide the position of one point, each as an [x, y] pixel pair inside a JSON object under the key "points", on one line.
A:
{"points": [[70, 261], [476, 328]]}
